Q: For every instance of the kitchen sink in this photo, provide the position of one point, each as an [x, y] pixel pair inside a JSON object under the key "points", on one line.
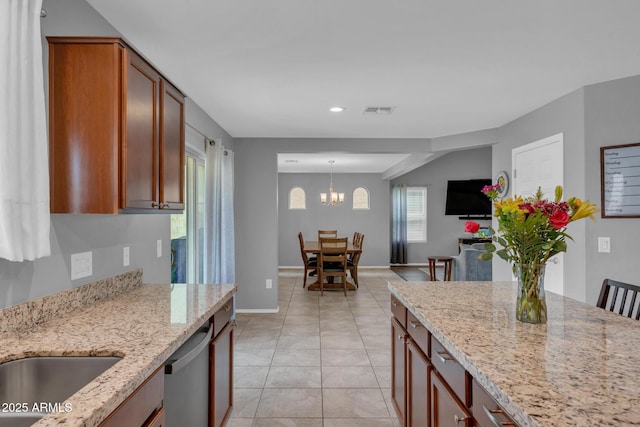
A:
{"points": [[31, 387]]}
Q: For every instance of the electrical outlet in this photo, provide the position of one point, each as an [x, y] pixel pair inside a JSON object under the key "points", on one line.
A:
{"points": [[604, 244], [269, 284], [81, 265], [125, 256], [159, 248]]}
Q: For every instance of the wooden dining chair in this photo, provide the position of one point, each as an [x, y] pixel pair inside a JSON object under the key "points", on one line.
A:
{"points": [[614, 294], [354, 259], [310, 263], [327, 233], [356, 236], [332, 261]]}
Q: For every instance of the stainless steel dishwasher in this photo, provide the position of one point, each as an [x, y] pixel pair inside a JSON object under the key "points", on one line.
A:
{"points": [[186, 381]]}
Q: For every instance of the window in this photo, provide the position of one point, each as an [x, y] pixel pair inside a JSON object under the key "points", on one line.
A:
{"points": [[416, 214], [360, 198], [187, 228], [297, 198]]}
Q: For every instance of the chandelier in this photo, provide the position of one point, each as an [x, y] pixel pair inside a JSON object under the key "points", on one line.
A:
{"points": [[334, 198]]}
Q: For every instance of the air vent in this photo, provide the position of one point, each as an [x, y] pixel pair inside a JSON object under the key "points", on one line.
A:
{"points": [[378, 110]]}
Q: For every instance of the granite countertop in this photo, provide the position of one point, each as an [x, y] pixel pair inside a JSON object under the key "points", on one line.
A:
{"points": [[580, 369], [144, 325]]}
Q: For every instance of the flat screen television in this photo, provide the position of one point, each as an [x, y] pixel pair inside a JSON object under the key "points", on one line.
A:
{"points": [[465, 198]]}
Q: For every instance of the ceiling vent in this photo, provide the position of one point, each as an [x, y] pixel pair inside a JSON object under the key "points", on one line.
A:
{"points": [[385, 111]]}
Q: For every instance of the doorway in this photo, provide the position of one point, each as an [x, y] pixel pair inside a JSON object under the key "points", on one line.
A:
{"points": [[541, 164]]}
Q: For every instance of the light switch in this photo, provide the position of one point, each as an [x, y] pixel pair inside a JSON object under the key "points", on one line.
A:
{"points": [[159, 248], [125, 256], [604, 244], [81, 265]]}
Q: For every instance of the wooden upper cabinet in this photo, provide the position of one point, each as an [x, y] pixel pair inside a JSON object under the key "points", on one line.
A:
{"points": [[116, 137], [171, 147]]}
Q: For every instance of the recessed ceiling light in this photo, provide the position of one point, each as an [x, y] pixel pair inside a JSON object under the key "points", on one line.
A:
{"points": [[337, 109]]}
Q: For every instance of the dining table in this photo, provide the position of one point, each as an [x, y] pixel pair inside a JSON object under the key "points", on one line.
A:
{"points": [[312, 247]]}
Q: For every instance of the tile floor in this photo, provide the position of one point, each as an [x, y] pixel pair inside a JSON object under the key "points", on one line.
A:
{"points": [[319, 362]]}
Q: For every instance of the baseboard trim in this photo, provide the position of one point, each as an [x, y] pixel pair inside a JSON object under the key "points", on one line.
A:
{"points": [[258, 310], [411, 264], [360, 267]]}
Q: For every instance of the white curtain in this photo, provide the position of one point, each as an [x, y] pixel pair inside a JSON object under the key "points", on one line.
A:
{"points": [[24, 171], [219, 228]]}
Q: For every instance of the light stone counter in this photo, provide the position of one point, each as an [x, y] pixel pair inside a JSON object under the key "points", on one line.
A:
{"points": [[144, 324], [580, 369]]}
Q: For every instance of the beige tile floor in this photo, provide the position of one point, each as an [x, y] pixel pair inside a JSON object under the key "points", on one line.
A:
{"points": [[319, 362]]}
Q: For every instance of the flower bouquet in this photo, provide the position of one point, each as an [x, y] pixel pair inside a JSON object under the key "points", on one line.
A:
{"points": [[532, 230]]}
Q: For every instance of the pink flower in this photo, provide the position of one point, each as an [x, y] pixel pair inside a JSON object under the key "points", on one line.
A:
{"points": [[471, 227], [559, 219], [527, 207]]}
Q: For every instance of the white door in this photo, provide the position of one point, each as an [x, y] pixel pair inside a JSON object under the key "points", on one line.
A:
{"points": [[541, 164]]}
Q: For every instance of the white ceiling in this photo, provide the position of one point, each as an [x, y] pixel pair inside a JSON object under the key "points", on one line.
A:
{"points": [[344, 162], [273, 68]]}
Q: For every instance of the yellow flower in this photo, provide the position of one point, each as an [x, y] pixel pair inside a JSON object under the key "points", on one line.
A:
{"points": [[509, 207], [582, 209]]}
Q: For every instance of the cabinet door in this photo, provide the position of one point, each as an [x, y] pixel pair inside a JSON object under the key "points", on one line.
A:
{"points": [[398, 369], [418, 371], [84, 124], [143, 404], [486, 411], [158, 420], [171, 147], [140, 154], [446, 410], [221, 385]]}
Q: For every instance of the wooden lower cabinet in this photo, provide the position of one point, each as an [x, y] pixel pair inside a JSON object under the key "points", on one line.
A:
{"points": [[221, 380], [410, 370], [143, 407], [398, 369], [486, 410], [446, 410], [418, 371], [429, 387], [157, 420]]}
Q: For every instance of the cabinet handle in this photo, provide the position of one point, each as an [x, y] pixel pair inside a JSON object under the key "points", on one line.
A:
{"points": [[457, 419], [393, 303], [164, 206], [155, 205], [444, 356], [227, 307], [414, 324], [493, 419]]}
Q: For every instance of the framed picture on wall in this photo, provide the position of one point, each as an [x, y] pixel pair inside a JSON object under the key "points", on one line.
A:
{"points": [[620, 181]]}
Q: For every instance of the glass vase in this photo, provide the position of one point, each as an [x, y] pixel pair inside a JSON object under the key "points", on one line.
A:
{"points": [[531, 306]]}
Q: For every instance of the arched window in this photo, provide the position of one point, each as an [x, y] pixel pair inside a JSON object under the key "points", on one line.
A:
{"points": [[297, 198], [361, 198]]}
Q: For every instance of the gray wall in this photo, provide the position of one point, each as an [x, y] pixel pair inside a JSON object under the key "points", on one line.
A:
{"points": [[443, 230], [565, 115], [104, 235], [592, 117], [373, 223], [612, 112]]}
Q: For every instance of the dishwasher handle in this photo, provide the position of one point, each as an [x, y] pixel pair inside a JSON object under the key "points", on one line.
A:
{"points": [[174, 366]]}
